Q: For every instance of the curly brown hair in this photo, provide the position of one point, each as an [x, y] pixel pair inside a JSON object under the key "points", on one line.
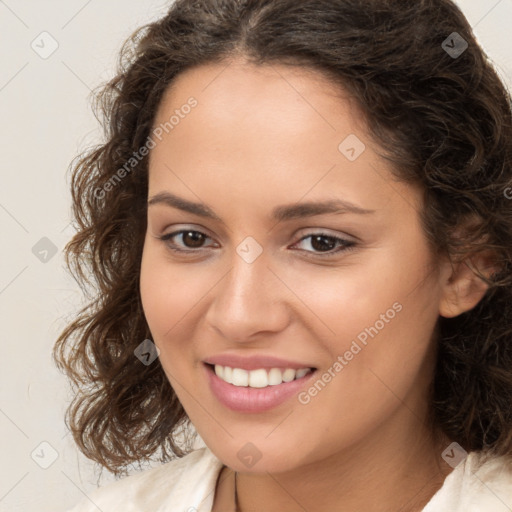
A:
{"points": [[443, 119]]}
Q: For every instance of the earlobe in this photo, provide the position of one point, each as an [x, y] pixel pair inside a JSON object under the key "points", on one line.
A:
{"points": [[463, 289]]}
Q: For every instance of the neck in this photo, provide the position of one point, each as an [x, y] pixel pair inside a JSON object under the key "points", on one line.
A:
{"points": [[373, 476]]}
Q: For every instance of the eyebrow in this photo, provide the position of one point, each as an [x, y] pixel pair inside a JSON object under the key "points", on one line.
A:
{"points": [[279, 213]]}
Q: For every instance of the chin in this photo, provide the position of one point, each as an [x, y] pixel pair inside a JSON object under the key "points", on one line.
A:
{"points": [[259, 456]]}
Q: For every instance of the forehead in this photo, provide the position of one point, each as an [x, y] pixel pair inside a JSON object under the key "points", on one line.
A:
{"points": [[236, 89], [270, 132]]}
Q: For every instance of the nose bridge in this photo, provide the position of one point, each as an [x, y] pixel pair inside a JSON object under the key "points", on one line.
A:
{"points": [[246, 284], [247, 298]]}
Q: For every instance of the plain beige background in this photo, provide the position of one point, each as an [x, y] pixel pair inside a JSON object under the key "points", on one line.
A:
{"points": [[45, 120]]}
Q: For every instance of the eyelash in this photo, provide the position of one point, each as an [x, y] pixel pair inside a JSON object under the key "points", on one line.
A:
{"points": [[346, 246]]}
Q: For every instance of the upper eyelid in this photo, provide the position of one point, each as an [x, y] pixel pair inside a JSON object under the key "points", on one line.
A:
{"points": [[302, 232], [191, 226]]}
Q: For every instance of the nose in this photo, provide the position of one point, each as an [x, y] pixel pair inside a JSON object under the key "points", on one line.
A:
{"points": [[249, 301]]}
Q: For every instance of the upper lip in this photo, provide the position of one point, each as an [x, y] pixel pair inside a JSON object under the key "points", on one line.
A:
{"points": [[254, 362]]}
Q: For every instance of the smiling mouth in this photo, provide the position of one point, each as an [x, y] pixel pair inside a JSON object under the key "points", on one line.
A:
{"points": [[258, 378]]}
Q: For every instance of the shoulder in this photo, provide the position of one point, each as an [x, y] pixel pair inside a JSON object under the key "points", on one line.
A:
{"points": [[187, 483], [480, 483], [488, 484]]}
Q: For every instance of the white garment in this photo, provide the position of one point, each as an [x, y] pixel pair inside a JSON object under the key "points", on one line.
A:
{"points": [[188, 485]]}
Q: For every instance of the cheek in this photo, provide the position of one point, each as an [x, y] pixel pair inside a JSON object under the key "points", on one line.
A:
{"points": [[339, 303], [173, 296], [164, 301], [379, 316], [168, 291]]}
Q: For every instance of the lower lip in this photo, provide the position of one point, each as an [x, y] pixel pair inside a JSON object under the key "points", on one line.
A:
{"points": [[247, 399]]}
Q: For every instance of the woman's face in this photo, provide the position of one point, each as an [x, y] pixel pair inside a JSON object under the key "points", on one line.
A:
{"points": [[352, 294]]}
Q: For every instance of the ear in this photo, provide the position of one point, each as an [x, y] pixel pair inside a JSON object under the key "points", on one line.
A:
{"points": [[462, 288]]}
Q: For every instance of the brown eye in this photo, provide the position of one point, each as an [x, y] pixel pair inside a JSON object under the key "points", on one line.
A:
{"points": [[323, 243], [328, 244], [190, 240], [193, 239]]}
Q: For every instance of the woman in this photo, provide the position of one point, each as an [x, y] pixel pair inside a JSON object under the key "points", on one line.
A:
{"points": [[300, 234]]}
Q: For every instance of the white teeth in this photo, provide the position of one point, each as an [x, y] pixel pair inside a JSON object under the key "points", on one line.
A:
{"points": [[275, 377], [240, 377], [227, 374], [289, 375], [258, 378], [300, 373]]}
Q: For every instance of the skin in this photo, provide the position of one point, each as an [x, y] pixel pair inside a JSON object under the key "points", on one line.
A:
{"points": [[261, 137]]}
